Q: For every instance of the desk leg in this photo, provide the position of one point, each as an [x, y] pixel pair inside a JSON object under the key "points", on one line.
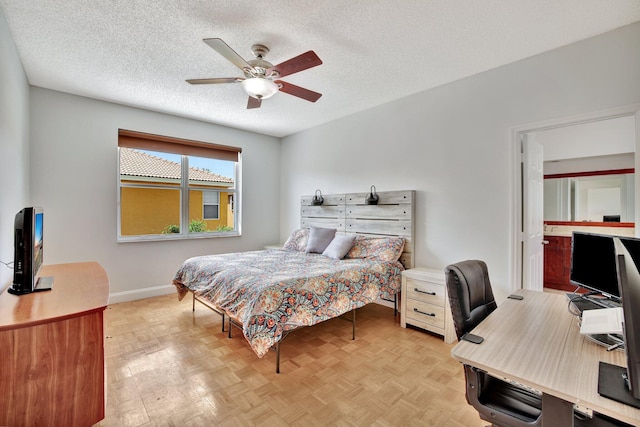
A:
{"points": [[556, 412]]}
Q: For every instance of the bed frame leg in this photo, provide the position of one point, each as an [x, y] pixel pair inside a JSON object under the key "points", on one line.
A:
{"points": [[278, 358], [353, 321], [220, 312], [395, 304], [230, 326]]}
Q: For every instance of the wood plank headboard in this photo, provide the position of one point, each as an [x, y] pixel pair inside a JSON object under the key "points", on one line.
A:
{"points": [[348, 213]]}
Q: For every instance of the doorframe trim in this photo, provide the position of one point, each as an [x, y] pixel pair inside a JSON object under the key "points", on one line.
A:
{"points": [[515, 134]]}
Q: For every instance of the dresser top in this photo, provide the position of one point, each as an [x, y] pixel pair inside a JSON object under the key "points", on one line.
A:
{"points": [[78, 288], [422, 273]]}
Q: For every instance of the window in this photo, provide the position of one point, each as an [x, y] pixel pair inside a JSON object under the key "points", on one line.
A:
{"points": [[170, 188], [211, 204]]}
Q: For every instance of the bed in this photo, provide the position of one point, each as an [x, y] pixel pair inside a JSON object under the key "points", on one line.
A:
{"points": [[272, 292]]}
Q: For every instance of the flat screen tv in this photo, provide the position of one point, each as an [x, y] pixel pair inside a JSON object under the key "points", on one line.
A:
{"points": [[593, 264], [616, 382], [28, 240]]}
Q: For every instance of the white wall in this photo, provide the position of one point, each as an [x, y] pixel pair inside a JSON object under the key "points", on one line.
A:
{"points": [[14, 145], [74, 178], [602, 138], [452, 144]]}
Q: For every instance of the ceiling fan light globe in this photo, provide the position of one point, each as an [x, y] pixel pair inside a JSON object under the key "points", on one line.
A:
{"points": [[259, 87]]}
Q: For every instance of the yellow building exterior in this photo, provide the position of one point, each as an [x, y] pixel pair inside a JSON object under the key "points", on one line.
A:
{"points": [[150, 210]]}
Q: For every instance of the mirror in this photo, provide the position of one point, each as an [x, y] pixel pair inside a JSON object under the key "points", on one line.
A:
{"points": [[596, 198]]}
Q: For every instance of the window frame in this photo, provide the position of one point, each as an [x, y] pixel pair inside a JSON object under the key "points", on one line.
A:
{"points": [[185, 148]]}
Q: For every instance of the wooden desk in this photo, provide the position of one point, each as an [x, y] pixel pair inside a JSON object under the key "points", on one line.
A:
{"points": [[52, 350], [537, 342]]}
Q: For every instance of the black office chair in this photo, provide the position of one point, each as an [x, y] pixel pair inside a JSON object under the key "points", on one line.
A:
{"points": [[499, 402]]}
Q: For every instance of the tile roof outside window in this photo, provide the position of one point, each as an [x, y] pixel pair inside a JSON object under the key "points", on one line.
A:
{"points": [[138, 163]]}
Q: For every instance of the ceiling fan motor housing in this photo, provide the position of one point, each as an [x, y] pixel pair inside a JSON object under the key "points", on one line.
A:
{"points": [[259, 64]]}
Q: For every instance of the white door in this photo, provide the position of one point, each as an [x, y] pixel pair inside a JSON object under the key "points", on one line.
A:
{"points": [[533, 222]]}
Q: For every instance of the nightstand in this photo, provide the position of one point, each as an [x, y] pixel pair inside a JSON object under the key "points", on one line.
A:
{"points": [[424, 302]]}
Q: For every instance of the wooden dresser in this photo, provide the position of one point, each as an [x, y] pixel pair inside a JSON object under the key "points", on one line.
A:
{"points": [[52, 350], [424, 302]]}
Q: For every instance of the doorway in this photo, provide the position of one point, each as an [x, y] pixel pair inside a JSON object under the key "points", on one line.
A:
{"points": [[523, 274]]}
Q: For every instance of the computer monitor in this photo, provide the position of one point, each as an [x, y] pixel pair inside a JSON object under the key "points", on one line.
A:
{"points": [[616, 382], [593, 264]]}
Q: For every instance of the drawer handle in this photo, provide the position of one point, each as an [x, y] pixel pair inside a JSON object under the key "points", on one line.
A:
{"points": [[424, 292], [424, 312]]}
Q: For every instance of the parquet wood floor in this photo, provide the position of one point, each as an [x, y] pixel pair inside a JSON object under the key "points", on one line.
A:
{"points": [[169, 366]]}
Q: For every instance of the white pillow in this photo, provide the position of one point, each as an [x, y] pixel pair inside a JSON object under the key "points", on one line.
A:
{"points": [[339, 246], [319, 239]]}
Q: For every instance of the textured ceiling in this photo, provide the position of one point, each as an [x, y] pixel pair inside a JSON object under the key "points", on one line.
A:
{"points": [[139, 52]]}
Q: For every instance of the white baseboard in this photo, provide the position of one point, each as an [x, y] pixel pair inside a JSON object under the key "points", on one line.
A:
{"points": [[141, 293]]}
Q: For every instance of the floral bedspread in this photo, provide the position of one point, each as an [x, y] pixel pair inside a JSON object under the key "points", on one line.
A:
{"points": [[274, 291]]}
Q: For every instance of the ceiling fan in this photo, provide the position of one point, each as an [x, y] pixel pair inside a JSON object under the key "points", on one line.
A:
{"points": [[260, 79]]}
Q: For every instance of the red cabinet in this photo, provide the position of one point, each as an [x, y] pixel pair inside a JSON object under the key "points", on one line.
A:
{"points": [[557, 263]]}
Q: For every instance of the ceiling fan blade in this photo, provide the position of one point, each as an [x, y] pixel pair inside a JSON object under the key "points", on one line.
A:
{"points": [[223, 49], [301, 62], [215, 81], [254, 102], [298, 91]]}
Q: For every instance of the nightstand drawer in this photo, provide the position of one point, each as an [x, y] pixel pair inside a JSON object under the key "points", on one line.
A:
{"points": [[425, 313], [432, 293]]}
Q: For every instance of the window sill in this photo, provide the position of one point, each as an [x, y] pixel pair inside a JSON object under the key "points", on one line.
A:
{"points": [[176, 236]]}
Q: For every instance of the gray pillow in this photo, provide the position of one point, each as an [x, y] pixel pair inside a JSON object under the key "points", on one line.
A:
{"points": [[339, 246], [319, 239]]}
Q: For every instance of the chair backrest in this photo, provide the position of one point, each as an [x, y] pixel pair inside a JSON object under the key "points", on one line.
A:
{"points": [[470, 294]]}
